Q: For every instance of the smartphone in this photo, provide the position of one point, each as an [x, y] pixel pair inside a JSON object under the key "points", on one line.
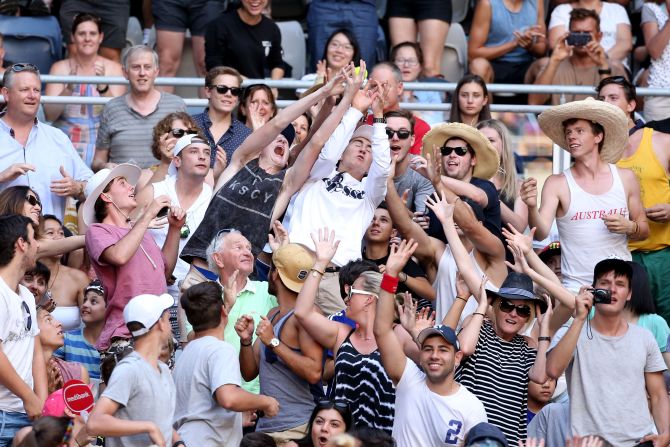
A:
{"points": [[163, 212], [578, 39]]}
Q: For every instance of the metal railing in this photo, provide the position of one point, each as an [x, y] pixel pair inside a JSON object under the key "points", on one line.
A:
{"points": [[295, 84]]}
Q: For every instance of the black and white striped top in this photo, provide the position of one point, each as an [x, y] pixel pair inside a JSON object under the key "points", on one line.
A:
{"points": [[360, 380], [497, 373]]}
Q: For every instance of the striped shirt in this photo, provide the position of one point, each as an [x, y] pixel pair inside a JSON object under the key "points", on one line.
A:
{"points": [[361, 381], [77, 349], [497, 373], [127, 134]]}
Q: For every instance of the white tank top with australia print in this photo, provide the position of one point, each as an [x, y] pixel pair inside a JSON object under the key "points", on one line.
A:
{"points": [[585, 240]]}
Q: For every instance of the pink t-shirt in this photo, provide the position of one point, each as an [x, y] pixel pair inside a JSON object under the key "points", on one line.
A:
{"points": [[143, 273]]}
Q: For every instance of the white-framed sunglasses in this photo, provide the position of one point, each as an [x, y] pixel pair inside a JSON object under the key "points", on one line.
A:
{"points": [[353, 291]]}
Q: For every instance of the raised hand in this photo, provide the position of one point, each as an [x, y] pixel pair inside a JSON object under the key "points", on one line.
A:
{"points": [[433, 171], [230, 291], [520, 263], [265, 330], [398, 256], [220, 162], [544, 319], [528, 192], [481, 296], [583, 303], [364, 98], [341, 81], [462, 289], [176, 217], [407, 313], [257, 121], [244, 326], [325, 245], [442, 209], [425, 318], [280, 237], [520, 240], [15, 171]]}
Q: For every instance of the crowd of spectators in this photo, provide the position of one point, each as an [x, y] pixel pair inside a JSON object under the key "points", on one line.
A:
{"points": [[340, 271]]}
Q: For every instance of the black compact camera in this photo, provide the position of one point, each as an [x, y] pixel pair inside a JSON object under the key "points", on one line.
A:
{"points": [[601, 296], [578, 39]]}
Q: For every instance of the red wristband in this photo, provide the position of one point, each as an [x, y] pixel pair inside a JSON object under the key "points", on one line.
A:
{"points": [[389, 283]]}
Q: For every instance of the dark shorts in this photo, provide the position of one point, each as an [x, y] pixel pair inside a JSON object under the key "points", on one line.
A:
{"points": [[180, 15], [114, 15], [509, 72], [420, 9]]}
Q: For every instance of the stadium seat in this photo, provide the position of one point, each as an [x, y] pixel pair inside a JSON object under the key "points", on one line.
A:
{"points": [[293, 46], [35, 40], [133, 32], [455, 54], [459, 10]]}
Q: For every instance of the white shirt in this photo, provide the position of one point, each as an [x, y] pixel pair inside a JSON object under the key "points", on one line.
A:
{"points": [[424, 418], [18, 339], [346, 206]]}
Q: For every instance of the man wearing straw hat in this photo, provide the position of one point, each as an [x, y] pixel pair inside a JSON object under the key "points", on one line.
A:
{"points": [[596, 205]]}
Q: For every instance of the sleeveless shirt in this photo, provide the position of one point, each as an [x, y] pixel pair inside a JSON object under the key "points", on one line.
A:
{"points": [[497, 373], [361, 380], [655, 189], [294, 393], [503, 24], [585, 240]]}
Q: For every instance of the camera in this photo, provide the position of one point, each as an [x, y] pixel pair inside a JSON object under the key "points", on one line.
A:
{"points": [[578, 39], [601, 296], [163, 212]]}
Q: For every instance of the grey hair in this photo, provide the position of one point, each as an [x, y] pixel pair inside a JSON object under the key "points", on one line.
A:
{"points": [[8, 76], [129, 52], [397, 74], [371, 282], [215, 247]]}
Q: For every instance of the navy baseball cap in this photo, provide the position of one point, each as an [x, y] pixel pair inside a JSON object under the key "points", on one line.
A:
{"points": [[443, 331], [485, 434]]}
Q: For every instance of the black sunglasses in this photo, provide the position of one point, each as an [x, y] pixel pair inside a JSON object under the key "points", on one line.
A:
{"points": [[522, 310], [331, 403], [27, 317], [223, 89], [178, 133], [460, 150], [402, 133], [18, 68], [32, 200]]}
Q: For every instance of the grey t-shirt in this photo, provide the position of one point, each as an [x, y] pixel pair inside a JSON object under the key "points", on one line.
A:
{"points": [[144, 394], [552, 424], [606, 384], [206, 365], [127, 134], [419, 189]]}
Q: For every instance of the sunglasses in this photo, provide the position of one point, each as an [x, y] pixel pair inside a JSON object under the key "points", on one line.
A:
{"points": [[27, 318], [178, 133], [18, 68], [402, 133], [460, 150], [331, 403], [522, 310], [223, 89], [353, 291], [32, 200]]}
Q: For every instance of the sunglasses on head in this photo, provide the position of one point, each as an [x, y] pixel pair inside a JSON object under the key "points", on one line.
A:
{"points": [[460, 150], [18, 68], [223, 89], [32, 200], [331, 403], [522, 310], [402, 133], [178, 133]]}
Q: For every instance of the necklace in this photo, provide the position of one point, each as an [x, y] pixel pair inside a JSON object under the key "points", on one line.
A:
{"points": [[49, 286]]}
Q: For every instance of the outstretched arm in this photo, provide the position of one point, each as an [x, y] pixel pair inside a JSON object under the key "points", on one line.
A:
{"points": [[541, 217], [393, 357]]}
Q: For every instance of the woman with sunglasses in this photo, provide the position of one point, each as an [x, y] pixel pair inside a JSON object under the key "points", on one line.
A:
{"points": [[512, 209], [24, 201], [360, 379], [470, 101], [80, 122], [329, 418]]}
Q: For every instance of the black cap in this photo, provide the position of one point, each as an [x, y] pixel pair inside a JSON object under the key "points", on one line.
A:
{"points": [[289, 133], [483, 432], [552, 249]]}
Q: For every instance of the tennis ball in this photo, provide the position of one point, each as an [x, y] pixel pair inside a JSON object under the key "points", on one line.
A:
{"points": [[358, 70]]}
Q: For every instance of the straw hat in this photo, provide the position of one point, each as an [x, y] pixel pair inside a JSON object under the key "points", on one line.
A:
{"points": [[487, 157], [612, 118], [97, 183]]}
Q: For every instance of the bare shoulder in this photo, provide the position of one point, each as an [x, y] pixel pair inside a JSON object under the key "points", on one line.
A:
{"points": [[76, 275], [627, 176], [60, 67], [112, 67], [555, 183]]}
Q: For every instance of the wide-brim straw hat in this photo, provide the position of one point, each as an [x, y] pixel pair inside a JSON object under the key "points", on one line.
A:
{"points": [[97, 183], [487, 156], [610, 117]]}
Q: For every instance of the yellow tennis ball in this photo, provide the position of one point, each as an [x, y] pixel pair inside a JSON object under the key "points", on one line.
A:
{"points": [[358, 70]]}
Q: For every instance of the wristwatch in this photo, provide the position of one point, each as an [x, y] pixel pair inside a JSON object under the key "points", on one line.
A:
{"points": [[379, 120], [274, 343]]}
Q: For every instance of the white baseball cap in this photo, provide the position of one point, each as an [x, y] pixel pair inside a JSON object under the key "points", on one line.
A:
{"points": [[182, 143], [147, 310]]}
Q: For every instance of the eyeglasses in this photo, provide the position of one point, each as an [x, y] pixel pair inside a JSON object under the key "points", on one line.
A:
{"points": [[331, 403], [522, 310], [223, 89], [337, 46], [178, 133], [32, 200], [460, 150], [27, 318], [408, 62], [18, 68], [224, 231], [353, 292], [402, 133]]}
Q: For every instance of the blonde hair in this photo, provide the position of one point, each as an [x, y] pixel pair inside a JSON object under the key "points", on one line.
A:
{"points": [[508, 191], [371, 282]]}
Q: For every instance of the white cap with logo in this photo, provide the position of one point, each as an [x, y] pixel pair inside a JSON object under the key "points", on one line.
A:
{"points": [[147, 310]]}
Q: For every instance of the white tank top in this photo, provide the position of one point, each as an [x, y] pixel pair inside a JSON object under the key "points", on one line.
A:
{"points": [[445, 286], [585, 240], [194, 216]]}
